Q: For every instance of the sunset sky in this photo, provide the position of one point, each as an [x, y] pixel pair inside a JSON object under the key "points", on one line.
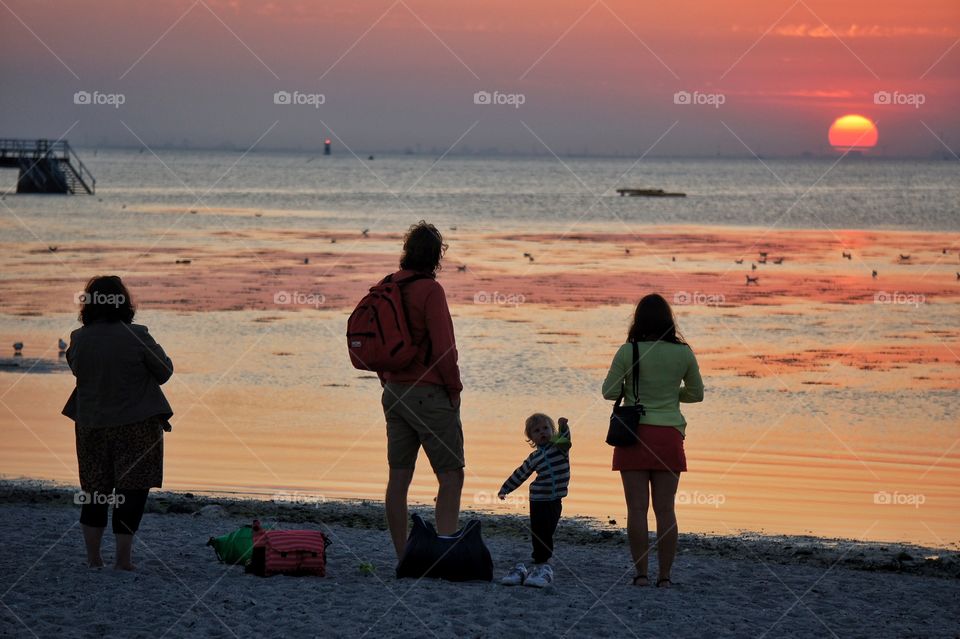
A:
{"points": [[594, 76]]}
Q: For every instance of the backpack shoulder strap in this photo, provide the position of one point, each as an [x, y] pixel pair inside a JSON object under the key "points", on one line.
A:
{"points": [[405, 280], [412, 278], [400, 283]]}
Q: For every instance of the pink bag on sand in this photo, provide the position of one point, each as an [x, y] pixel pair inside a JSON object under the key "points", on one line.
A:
{"points": [[288, 552]]}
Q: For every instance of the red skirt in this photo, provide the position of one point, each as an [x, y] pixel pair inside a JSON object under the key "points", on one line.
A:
{"points": [[659, 448]]}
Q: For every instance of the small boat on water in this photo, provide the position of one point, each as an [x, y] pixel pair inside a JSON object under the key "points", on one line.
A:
{"points": [[649, 193]]}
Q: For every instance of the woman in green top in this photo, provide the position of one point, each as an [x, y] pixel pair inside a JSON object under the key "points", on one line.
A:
{"points": [[653, 465]]}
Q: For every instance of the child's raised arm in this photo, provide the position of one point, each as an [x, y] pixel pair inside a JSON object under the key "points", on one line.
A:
{"points": [[562, 439]]}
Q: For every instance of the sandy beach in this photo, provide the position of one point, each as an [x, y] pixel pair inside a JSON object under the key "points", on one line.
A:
{"points": [[732, 586]]}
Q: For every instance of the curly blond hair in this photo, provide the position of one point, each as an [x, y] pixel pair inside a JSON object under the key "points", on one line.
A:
{"points": [[536, 420]]}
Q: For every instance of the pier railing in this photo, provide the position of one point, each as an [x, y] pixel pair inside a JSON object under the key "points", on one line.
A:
{"points": [[14, 151]]}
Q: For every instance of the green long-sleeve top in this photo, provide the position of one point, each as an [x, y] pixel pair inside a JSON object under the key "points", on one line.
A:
{"points": [[663, 366]]}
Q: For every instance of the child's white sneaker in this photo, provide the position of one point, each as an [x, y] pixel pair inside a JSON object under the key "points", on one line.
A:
{"points": [[540, 577], [515, 577]]}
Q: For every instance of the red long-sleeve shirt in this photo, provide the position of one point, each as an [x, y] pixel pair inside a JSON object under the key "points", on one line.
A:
{"points": [[425, 305]]}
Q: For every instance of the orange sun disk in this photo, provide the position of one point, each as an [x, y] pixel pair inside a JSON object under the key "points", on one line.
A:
{"points": [[850, 132]]}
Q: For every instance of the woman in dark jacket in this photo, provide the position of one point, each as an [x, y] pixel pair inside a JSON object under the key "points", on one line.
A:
{"points": [[120, 414]]}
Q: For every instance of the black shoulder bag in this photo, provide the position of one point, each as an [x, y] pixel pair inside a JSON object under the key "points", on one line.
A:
{"points": [[625, 419]]}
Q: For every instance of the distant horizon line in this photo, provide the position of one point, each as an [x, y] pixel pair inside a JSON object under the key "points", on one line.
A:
{"points": [[365, 153]]}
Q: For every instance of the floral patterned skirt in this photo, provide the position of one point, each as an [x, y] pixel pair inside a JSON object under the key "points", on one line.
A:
{"points": [[121, 457]]}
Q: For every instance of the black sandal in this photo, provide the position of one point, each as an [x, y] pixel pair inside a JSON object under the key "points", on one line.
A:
{"points": [[638, 578], [664, 580]]}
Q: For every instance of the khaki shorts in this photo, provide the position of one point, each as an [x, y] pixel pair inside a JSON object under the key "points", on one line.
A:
{"points": [[422, 416]]}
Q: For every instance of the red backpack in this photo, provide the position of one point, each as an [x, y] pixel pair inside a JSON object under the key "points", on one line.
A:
{"points": [[288, 552], [378, 335]]}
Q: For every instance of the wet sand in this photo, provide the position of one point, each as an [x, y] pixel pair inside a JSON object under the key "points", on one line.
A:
{"points": [[232, 270]]}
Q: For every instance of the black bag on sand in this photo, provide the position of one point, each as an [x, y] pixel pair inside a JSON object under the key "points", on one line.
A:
{"points": [[625, 420], [459, 557]]}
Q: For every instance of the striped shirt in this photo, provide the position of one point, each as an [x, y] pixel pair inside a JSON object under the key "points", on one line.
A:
{"points": [[551, 462]]}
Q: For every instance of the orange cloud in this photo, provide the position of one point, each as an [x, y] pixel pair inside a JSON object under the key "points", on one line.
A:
{"points": [[860, 31]]}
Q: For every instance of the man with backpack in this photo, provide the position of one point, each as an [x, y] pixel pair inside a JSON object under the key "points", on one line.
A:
{"points": [[403, 330]]}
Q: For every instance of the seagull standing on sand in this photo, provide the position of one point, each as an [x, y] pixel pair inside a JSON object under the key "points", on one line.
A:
{"points": [[462, 268], [753, 280], [874, 274], [18, 348], [740, 261], [848, 256]]}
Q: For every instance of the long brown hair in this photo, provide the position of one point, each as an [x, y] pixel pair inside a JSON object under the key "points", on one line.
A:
{"points": [[423, 248], [653, 320]]}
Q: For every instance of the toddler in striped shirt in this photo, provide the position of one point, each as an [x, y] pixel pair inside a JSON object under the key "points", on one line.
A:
{"points": [[550, 459]]}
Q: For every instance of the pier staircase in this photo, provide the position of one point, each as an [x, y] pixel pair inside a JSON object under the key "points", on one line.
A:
{"points": [[46, 167]]}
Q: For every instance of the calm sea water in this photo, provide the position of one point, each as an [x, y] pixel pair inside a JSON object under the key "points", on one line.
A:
{"points": [[389, 191]]}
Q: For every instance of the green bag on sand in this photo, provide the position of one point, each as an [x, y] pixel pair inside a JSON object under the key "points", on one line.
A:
{"points": [[235, 547]]}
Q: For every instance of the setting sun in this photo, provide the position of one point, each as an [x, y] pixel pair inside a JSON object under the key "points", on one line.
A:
{"points": [[852, 132]]}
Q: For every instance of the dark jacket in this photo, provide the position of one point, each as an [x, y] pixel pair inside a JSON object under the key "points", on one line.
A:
{"points": [[425, 305], [119, 369]]}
